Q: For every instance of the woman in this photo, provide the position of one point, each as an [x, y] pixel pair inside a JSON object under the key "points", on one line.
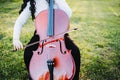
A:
{"points": [[33, 8]]}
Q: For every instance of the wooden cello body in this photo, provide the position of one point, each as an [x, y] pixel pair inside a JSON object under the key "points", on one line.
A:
{"points": [[52, 60]]}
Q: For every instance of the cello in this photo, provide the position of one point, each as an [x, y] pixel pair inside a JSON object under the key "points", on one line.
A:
{"points": [[52, 60]]}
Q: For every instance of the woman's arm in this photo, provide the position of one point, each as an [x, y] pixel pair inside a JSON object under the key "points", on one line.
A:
{"points": [[21, 20], [62, 4]]}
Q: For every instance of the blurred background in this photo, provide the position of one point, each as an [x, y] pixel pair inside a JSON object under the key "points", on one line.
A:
{"points": [[98, 39]]}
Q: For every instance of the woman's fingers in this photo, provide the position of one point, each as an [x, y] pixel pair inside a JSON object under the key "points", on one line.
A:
{"points": [[17, 45]]}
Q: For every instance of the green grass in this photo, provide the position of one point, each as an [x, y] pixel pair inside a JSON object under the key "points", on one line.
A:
{"points": [[98, 38]]}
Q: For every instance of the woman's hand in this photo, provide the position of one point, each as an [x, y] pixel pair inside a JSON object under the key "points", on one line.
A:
{"points": [[17, 44]]}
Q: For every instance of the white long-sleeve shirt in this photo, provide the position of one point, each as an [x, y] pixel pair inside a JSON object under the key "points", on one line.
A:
{"points": [[40, 6]]}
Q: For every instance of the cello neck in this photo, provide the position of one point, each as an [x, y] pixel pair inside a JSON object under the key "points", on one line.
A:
{"points": [[50, 30]]}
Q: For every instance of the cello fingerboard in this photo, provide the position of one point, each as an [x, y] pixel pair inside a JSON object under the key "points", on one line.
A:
{"points": [[50, 30]]}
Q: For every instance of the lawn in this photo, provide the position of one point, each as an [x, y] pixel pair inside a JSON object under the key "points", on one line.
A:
{"points": [[98, 39]]}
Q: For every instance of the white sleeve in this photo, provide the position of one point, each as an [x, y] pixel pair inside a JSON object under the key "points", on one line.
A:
{"points": [[21, 20], [62, 4]]}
